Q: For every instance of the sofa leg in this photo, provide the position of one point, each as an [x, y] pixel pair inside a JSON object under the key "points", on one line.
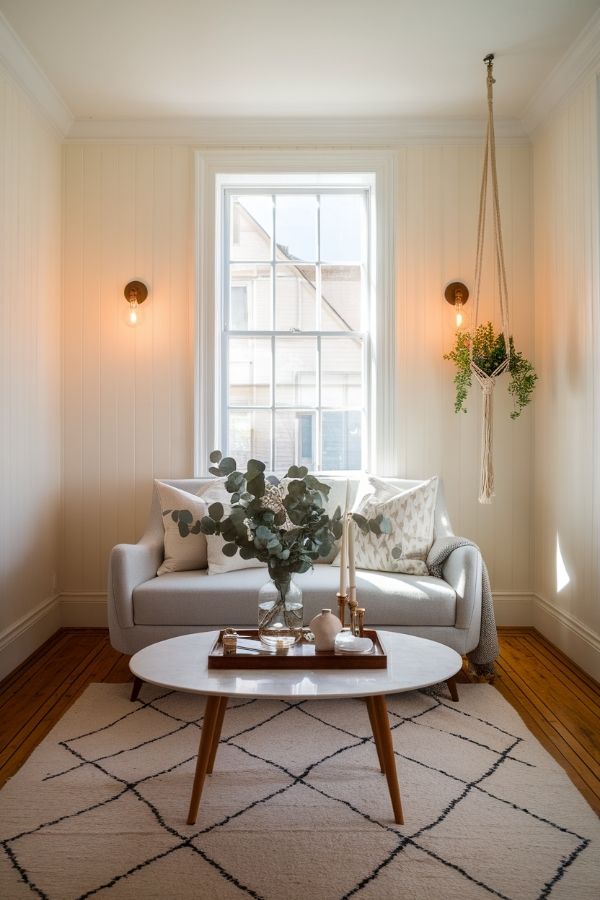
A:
{"points": [[452, 688], [135, 690]]}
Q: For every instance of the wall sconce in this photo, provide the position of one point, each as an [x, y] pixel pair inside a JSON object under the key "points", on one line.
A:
{"points": [[135, 293], [457, 294]]}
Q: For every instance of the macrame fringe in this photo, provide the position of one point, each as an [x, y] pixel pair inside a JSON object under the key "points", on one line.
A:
{"points": [[486, 481]]}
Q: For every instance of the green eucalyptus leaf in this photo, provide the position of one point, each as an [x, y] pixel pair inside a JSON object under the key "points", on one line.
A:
{"points": [[216, 511], [185, 516], [195, 529], [175, 515], [207, 525], [215, 471], [228, 465], [273, 479], [216, 456], [257, 486], [293, 472], [234, 482], [397, 552], [229, 549], [184, 528], [247, 553]]}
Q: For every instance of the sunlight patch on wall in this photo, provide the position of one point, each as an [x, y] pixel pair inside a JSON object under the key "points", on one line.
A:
{"points": [[562, 576]]}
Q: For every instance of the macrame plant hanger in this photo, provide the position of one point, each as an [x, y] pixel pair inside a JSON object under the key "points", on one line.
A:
{"points": [[488, 382]]}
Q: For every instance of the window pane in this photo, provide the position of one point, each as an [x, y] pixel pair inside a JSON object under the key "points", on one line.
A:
{"points": [[254, 284], [341, 372], [296, 226], [296, 371], [341, 296], [249, 371], [295, 298], [251, 227], [295, 434], [342, 218], [250, 436], [341, 440]]}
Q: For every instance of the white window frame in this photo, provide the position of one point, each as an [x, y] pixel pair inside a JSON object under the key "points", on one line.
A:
{"points": [[214, 170]]}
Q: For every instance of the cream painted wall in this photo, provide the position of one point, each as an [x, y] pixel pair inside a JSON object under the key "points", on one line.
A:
{"points": [[567, 416], [30, 371], [128, 393], [129, 212]]}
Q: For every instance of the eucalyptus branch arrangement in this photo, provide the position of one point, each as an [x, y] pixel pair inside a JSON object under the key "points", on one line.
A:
{"points": [[489, 351], [281, 523]]}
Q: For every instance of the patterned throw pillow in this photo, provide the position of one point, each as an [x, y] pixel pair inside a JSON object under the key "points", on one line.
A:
{"points": [[181, 554], [411, 514]]}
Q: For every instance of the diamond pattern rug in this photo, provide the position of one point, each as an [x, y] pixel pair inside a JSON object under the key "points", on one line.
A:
{"points": [[296, 807]]}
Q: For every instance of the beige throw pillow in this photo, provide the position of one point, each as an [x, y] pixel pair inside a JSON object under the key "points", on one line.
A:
{"points": [[411, 513], [218, 563], [181, 553]]}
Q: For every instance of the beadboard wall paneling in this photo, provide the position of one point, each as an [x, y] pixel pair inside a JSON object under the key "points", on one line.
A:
{"points": [[438, 196], [128, 394], [567, 421], [30, 315]]}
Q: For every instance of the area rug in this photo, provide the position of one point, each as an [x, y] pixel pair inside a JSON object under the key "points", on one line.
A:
{"points": [[296, 807]]}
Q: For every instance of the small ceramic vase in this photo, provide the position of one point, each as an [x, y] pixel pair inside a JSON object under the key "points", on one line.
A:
{"points": [[325, 626]]}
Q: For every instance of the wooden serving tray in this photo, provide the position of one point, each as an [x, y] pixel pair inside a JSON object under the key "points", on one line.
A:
{"points": [[302, 655]]}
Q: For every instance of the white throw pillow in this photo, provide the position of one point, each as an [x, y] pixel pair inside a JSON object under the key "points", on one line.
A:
{"points": [[181, 554], [411, 513], [218, 563]]}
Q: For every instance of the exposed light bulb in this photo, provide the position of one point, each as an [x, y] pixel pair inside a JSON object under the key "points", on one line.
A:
{"points": [[132, 318], [459, 318]]}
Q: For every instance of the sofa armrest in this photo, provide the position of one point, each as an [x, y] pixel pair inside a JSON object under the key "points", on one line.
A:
{"points": [[130, 565], [462, 571]]}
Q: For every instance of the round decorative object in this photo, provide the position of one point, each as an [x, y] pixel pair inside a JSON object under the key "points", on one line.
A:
{"points": [[456, 293], [135, 291], [280, 614], [325, 627]]}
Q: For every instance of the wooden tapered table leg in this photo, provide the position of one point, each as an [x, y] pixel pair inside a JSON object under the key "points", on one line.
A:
{"points": [[135, 690], [387, 751], [375, 730], [213, 704], [451, 682], [216, 734]]}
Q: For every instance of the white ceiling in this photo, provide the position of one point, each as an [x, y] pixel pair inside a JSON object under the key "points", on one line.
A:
{"points": [[113, 59]]}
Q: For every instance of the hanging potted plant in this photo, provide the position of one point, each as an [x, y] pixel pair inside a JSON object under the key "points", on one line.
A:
{"points": [[487, 349], [484, 353]]}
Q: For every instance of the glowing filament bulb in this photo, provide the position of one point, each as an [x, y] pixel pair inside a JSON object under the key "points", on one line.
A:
{"points": [[459, 318], [133, 315]]}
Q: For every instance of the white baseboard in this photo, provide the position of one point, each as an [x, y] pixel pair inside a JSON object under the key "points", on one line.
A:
{"points": [[513, 608], [569, 634], [87, 610], [24, 636]]}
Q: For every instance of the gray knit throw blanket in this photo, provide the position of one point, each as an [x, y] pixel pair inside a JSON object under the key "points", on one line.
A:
{"points": [[483, 656]]}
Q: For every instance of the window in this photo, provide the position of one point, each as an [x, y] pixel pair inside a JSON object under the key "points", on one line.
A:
{"points": [[294, 332]]}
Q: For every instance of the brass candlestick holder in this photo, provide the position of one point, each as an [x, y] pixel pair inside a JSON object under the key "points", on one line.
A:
{"points": [[341, 599]]}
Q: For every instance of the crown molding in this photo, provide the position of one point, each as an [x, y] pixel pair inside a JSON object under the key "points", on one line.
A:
{"points": [[580, 62], [301, 131], [22, 67]]}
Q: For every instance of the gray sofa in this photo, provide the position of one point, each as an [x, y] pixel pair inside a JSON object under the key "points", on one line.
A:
{"points": [[144, 608]]}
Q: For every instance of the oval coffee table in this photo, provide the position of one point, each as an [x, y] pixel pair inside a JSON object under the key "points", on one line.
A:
{"points": [[181, 663]]}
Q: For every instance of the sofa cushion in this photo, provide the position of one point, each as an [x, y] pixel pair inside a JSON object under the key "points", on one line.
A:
{"points": [[197, 598]]}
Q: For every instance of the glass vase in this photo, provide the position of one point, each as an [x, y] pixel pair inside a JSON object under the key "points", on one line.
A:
{"points": [[280, 613]]}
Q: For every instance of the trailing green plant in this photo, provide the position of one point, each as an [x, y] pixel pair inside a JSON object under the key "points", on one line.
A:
{"points": [[283, 524], [489, 351]]}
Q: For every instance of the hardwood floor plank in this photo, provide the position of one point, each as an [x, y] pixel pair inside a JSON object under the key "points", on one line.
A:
{"points": [[569, 715], [569, 677]]}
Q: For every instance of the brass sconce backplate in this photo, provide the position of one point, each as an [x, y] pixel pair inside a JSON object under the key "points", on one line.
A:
{"points": [[456, 292], [136, 290]]}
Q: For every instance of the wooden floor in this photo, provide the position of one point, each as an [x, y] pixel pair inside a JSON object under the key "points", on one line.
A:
{"points": [[559, 703]]}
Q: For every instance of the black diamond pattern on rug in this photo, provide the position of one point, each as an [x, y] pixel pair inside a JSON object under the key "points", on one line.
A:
{"points": [[296, 806]]}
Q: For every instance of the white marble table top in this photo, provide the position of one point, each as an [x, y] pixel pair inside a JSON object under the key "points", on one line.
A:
{"points": [[181, 663]]}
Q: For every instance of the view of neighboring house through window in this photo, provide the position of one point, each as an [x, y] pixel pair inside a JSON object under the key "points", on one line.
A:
{"points": [[294, 339]]}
